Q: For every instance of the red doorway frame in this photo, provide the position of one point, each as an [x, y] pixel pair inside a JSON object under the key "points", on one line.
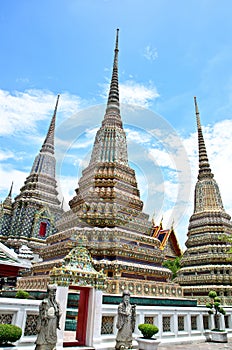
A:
{"points": [[82, 317]]}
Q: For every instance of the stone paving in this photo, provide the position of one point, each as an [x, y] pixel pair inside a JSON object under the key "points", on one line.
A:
{"points": [[197, 346], [183, 346], [186, 346], [192, 346]]}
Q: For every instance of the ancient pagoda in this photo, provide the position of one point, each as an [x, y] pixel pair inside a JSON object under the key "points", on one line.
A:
{"points": [[206, 264], [31, 217], [106, 221]]}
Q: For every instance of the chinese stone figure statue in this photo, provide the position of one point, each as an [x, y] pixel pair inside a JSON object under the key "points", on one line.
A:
{"points": [[49, 316], [125, 323]]}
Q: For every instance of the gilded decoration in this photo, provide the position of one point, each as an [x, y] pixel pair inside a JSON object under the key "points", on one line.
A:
{"points": [[143, 287]]}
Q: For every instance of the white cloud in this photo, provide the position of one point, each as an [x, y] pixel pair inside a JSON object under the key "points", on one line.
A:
{"points": [[162, 157], [9, 174], [4, 155], [139, 94], [150, 53], [134, 93], [21, 111], [67, 186], [137, 136]]}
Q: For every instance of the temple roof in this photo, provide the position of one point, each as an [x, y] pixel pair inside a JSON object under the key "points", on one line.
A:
{"points": [[9, 257], [167, 236]]}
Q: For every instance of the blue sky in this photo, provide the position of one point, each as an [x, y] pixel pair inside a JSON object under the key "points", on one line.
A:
{"points": [[170, 51]]}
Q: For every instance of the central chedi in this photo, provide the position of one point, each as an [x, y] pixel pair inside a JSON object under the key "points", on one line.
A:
{"points": [[107, 221]]}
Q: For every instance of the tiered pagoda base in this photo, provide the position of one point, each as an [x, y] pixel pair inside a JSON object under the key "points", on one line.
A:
{"points": [[128, 260], [200, 293]]}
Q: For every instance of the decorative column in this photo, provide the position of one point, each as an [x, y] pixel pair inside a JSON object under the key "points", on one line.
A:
{"points": [[175, 324], [62, 298], [94, 318], [189, 328]]}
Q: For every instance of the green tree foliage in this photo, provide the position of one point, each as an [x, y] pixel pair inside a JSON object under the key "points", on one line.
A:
{"points": [[173, 265], [215, 308], [9, 333]]}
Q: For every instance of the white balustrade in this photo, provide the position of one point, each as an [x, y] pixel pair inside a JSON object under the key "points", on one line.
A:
{"points": [[176, 324]]}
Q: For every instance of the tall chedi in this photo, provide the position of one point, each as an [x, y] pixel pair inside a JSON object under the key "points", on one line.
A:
{"points": [[108, 195], [37, 207], [206, 264], [106, 222]]}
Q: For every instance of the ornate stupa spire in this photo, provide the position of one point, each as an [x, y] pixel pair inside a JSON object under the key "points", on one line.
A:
{"points": [[206, 264], [113, 105], [110, 142], [48, 144], [204, 167], [45, 161], [211, 200]]}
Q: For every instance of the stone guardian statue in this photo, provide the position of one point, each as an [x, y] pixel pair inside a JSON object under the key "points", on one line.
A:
{"points": [[49, 316], [125, 323]]}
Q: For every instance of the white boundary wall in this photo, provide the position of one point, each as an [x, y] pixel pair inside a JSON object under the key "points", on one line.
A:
{"points": [[20, 309], [172, 313]]}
